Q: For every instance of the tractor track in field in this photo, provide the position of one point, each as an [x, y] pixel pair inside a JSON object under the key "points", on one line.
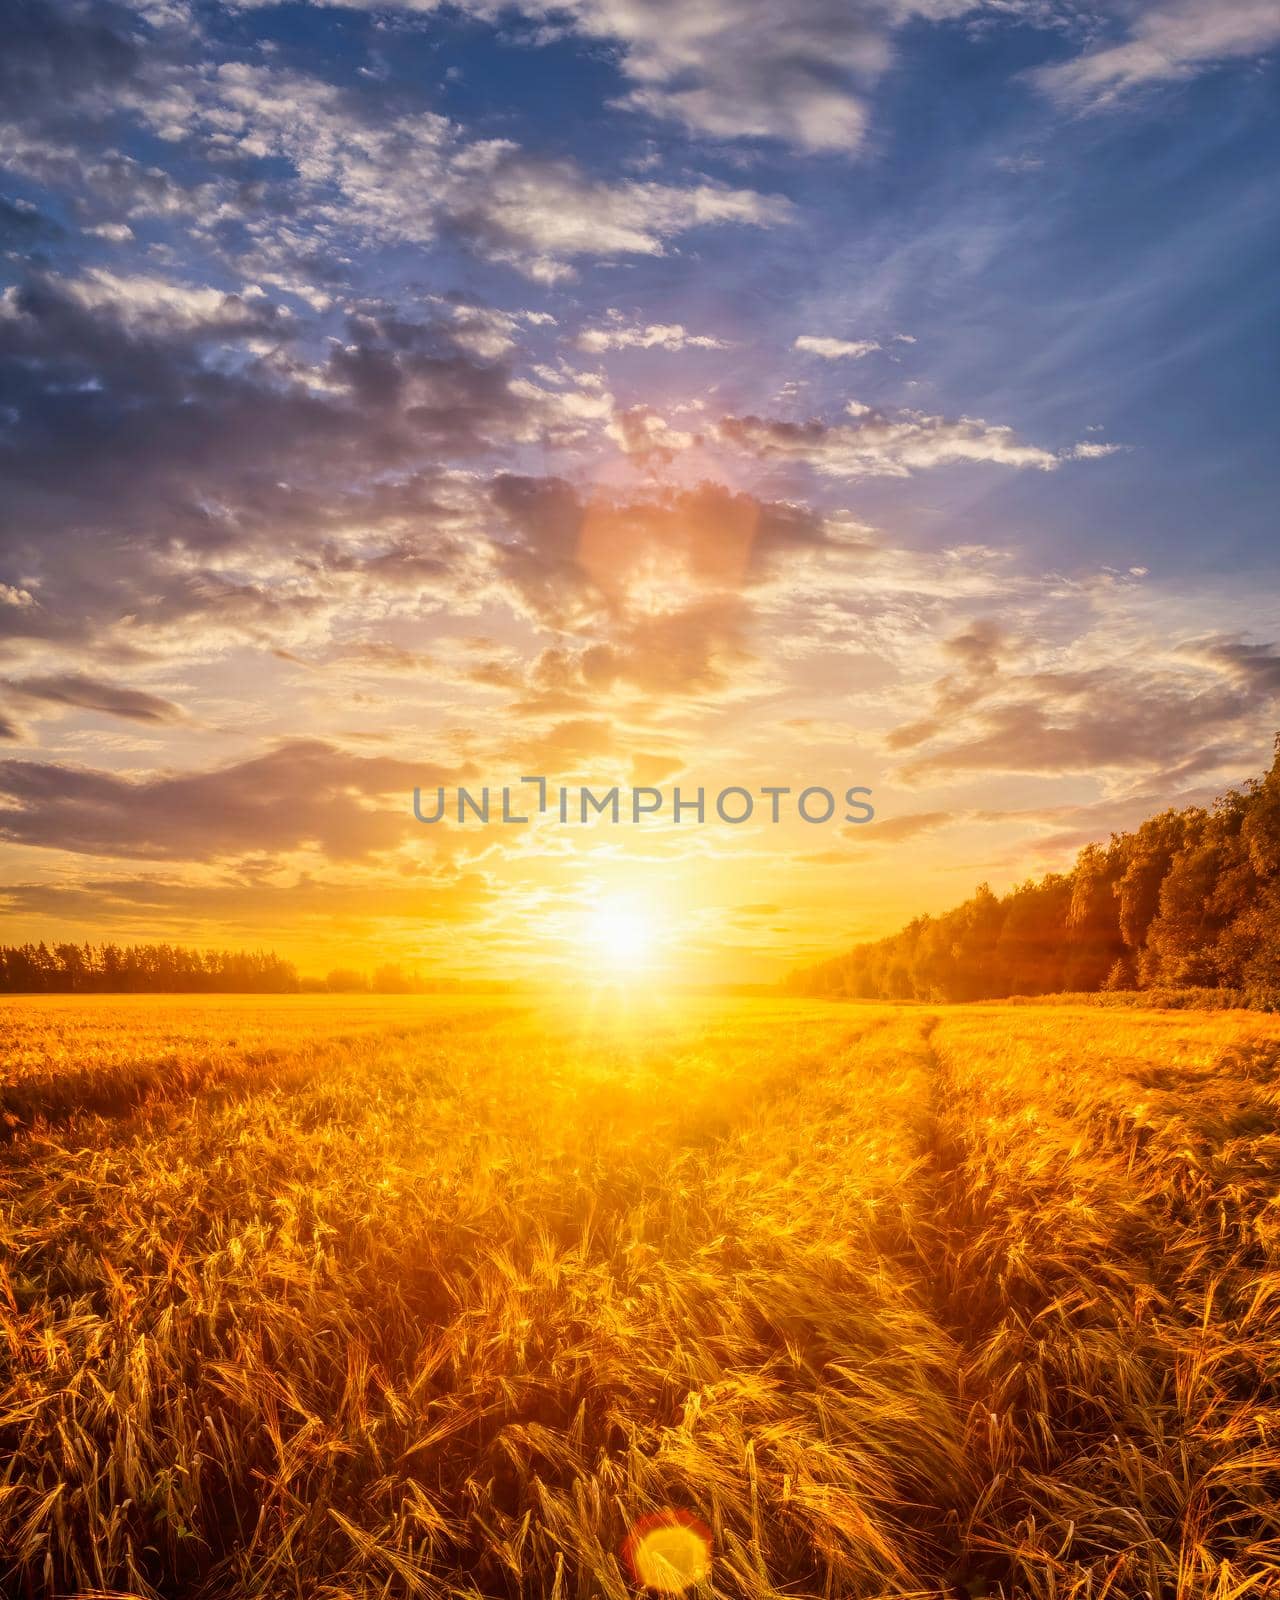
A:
{"points": [[1138, 1284]]}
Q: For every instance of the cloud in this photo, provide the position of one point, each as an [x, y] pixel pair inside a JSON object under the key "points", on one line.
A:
{"points": [[564, 747], [95, 694], [799, 73], [571, 410], [687, 652], [647, 437], [979, 648], [979, 653], [620, 335], [1102, 730], [836, 349], [280, 908], [1094, 706], [487, 332], [149, 479], [146, 304], [653, 600], [112, 232], [1164, 43], [1255, 667], [895, 830], [304, 793], [307, 165], [1093, 450], [540, 215], [98, 181], [873, 444], [579, 557], [408, 177], [734, 69]]}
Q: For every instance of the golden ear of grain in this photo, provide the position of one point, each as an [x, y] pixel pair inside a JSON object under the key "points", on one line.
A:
{"points": [[305, 1299]]}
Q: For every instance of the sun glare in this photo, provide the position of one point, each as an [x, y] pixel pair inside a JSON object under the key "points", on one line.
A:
{"points": [[620, 934]]}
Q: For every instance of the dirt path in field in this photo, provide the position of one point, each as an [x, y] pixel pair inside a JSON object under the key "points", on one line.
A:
{"points": [[1110, 1290], [1010, 1286]]}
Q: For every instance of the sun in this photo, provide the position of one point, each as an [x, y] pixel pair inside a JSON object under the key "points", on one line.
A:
{"points": [[620, 933]]}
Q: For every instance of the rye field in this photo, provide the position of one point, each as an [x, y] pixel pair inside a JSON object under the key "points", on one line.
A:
{"points": [[305, 1298]]}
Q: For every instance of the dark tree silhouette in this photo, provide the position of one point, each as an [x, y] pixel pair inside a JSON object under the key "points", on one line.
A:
{"points": [[141, 969], [1190, 899]]}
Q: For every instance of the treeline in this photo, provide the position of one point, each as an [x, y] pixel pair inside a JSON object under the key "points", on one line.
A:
{"points": [[1191, 899], [170, 969], [141, 969]]}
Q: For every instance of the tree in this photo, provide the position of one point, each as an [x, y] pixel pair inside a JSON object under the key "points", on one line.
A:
{"points": [[346, 980], [1190, 897]]}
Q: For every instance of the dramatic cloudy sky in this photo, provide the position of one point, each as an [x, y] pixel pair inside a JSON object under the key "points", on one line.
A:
{"points": [[676, 391]]}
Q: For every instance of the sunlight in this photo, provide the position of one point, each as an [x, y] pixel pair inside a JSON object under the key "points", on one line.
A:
{"points": [[620, 934]]}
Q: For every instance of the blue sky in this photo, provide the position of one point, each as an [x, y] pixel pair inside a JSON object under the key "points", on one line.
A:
{"points": [[329, 334]]}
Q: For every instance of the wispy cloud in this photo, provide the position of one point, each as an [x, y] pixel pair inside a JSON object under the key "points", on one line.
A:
{"points": [[1164, 42], [80, 691], [873, 444], [618, 334], [815, 344], [1008, 705]]}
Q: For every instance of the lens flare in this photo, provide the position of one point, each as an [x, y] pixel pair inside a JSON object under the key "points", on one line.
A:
{"points": [[669, 1551]]}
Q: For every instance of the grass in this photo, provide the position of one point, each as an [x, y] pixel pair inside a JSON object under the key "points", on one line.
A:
{"points": [[319, 1298]]}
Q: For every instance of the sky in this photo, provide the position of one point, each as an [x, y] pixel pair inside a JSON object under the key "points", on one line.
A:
{"points": [[658, 392]]}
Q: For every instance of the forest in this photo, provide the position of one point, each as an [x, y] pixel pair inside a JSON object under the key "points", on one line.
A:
{"points": [[141, 969], [1188, 900], [171, 969]]}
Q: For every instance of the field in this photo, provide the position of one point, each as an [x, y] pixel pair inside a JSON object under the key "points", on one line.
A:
{"points": [[315, 1297]]}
